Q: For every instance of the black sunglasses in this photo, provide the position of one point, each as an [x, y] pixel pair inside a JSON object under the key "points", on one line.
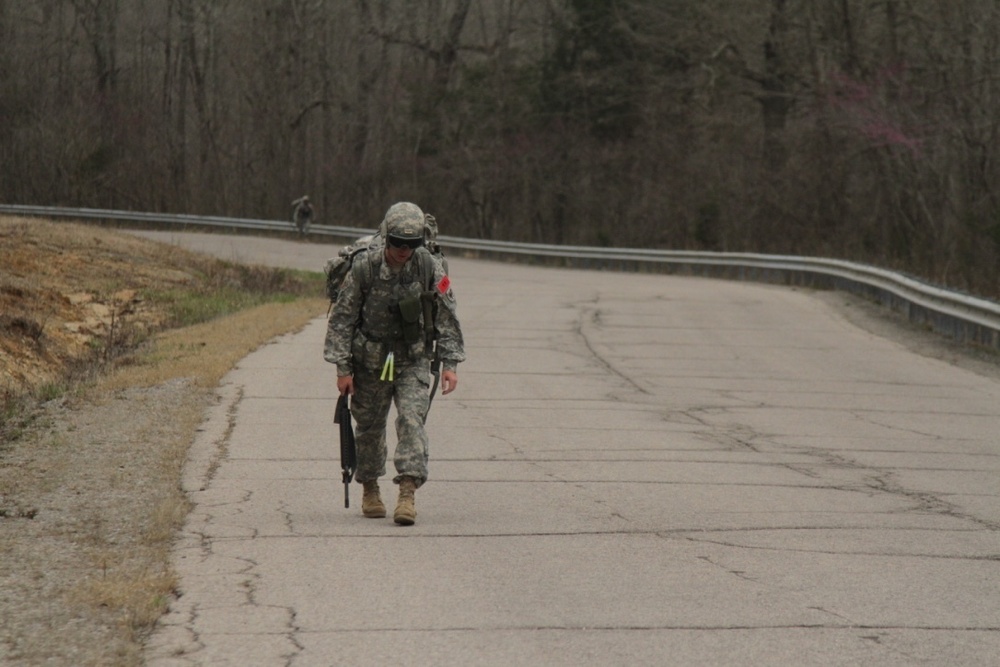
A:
{"points": [[396, 242]]}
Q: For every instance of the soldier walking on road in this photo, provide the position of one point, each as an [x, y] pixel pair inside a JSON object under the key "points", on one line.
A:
{"points": [[302, 212], [395, 312]]}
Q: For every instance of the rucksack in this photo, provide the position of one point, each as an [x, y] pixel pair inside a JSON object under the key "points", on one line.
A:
{"points": [[337, 267]]}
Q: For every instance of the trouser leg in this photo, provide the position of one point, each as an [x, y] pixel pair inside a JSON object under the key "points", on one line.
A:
{"points": [[370, 409], [411, 397]]}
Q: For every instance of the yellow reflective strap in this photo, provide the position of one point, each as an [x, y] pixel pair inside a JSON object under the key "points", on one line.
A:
{"points": [[387, 368]]}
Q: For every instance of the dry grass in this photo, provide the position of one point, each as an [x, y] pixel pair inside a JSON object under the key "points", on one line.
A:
{"points": [[206, 352], [137, 595]]}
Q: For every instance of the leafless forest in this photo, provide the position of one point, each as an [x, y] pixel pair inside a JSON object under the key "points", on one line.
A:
{"points": [[859, 129]]}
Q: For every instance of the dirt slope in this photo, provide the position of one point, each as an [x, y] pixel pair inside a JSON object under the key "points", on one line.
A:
{"points": [[63, 289]]}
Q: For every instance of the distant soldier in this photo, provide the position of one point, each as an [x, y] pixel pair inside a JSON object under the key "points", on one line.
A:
{"points": [[302, 213]]}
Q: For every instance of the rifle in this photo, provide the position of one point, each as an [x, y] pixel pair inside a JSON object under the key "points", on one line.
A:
{"points": [[348, 450], [436, 372]]}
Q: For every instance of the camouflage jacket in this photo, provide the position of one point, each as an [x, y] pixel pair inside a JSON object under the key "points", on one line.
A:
{"points": [[365, 323], [301, 210]]}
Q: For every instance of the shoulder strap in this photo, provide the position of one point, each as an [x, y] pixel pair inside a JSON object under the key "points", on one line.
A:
{"points": [[361, 267], [426, 268], [373, 259]]}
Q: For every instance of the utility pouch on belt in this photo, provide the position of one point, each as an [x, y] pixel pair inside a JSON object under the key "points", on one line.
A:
{"points": [[410, 309], [368, 354]]}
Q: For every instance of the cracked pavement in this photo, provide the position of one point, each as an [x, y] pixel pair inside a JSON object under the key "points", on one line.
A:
{"points": [[634, 469]]}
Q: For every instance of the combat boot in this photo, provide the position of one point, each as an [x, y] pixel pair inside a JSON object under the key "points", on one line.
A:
{"points": [[405, 513], [371, 502]]}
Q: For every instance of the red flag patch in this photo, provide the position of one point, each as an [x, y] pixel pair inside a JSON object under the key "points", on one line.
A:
{"points": [[444, 284]]}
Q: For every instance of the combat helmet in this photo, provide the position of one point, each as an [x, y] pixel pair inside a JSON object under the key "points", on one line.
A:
{"points": [[404, 225]]}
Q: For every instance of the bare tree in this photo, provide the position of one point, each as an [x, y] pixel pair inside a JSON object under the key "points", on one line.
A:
{"points": [[865, 129]]}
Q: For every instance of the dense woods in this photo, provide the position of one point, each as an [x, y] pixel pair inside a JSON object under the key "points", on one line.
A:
{"points": [[862, 129]]}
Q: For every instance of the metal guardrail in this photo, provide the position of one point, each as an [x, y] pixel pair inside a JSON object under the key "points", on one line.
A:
{"points": [[105, 215], [965, 318]]}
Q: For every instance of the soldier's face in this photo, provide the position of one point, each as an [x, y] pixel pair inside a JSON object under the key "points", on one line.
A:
{"points": [[398, 250], [397, 257]]}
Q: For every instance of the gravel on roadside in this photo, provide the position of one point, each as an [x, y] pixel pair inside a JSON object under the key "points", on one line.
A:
{"points": [[81, 494]]}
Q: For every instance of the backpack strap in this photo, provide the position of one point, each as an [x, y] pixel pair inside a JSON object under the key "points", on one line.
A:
{"points": [[426, 268], [371, 260]]}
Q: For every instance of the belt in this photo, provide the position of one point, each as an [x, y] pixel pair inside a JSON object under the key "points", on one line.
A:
{"points": [[379, 339]]}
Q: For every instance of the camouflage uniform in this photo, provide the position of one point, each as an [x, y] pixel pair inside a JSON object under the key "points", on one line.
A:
{"points": [[302, 211], [366, 325]]}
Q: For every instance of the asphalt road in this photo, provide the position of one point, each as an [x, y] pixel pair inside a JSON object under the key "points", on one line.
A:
{"points": [[634, 470]]}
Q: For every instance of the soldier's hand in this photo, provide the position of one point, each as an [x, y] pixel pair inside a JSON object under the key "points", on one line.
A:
{"points": [[345, 385], [449, 380]]}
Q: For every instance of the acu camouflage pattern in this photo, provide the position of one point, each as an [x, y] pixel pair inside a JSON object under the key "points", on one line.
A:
{"points": [[370, 408], [404, 220], [364, 327]]}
